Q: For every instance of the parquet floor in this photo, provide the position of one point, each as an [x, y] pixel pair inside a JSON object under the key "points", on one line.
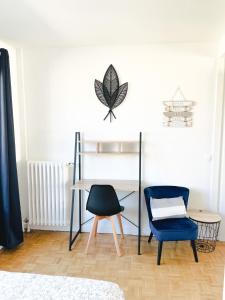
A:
{"points": [[178, 277]]}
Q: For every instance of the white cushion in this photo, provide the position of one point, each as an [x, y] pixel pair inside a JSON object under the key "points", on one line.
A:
{"points": [[165, 208]]}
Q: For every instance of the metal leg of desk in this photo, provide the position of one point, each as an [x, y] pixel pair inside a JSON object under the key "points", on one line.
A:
{"points": [[71, 222], [72, 239], [139, 197], [80, 211], [139, 225]]}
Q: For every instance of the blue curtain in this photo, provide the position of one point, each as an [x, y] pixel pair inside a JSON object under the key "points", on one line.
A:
{"points": [[11, 233]]}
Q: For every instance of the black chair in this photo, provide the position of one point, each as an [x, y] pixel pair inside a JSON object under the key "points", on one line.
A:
{"points": [[174, 229], [103, 202]]}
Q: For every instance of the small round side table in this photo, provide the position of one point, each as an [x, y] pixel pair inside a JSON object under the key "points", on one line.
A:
{"points": [[208, 228]]}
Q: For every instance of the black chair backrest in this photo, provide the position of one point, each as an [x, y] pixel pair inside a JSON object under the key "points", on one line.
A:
{"points": [[103, 201], [164, 191]]}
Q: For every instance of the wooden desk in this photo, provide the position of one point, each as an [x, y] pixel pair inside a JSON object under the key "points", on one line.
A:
{"points": [[119, 185], [130, 186]]}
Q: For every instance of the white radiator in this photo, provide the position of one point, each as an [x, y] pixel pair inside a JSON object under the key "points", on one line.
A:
{"points": [[46, 193]]}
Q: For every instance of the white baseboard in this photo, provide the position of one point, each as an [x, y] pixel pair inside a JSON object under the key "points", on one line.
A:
{"points": [[67, 228], [50, 228]]}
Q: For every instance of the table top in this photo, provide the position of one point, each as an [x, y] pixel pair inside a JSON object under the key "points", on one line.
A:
{"points": [[119, 185], [203, 216]]}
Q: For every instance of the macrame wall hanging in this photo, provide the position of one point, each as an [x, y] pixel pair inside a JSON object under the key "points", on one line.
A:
{"points": [[178, 111], [109, 92]]}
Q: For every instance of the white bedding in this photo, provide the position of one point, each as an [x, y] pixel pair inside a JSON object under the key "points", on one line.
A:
{"points": [[18, 286]]}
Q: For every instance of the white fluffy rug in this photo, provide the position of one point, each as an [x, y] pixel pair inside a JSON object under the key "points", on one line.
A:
{"points": [[24, 286]]}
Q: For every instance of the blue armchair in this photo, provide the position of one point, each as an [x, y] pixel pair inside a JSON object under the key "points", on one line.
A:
{"points": [[174, 229]]}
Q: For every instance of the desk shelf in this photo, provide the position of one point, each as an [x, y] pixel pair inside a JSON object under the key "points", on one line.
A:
{"points": [[109, 153], [110, 147]]}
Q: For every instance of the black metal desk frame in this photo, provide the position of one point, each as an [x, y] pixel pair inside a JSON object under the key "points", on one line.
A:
{"points": [[77, 168]]}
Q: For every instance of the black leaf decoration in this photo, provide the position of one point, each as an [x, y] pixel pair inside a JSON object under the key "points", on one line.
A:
{"points": [[99, 92], [122, 92], [110, 93]]}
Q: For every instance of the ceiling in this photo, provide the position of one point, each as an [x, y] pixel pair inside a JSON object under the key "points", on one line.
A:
{"points": [[100, 22]]}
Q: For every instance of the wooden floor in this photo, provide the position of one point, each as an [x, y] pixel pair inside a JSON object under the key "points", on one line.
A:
{"points": [[178, 277]]}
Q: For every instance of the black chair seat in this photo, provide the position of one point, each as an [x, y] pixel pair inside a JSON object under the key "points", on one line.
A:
{"points": [[106, 213]]}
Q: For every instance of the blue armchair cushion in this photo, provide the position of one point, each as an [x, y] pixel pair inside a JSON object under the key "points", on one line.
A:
{"points": [[174, 229], [164, 192], [165, 208]]}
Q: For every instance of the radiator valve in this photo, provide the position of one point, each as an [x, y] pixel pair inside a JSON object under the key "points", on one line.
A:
{"points": [[26, 226]]}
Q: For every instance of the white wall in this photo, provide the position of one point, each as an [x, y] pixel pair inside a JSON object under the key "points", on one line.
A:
{"points": [[60, 99], [218, 148]]}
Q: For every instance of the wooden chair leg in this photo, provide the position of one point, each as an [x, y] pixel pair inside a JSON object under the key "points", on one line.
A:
{"points": [[194, 250], [160, 244], [115, 236], [96, 228], [120, 224], [93, 229], [150, 237]]}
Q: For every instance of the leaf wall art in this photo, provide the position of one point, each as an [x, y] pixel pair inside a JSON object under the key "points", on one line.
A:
{"points": [[109, 92]]}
